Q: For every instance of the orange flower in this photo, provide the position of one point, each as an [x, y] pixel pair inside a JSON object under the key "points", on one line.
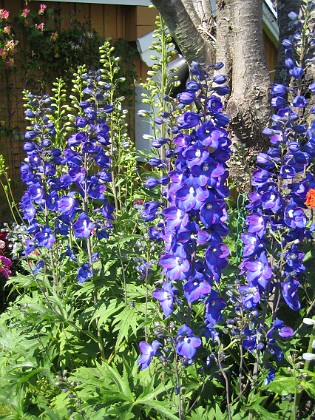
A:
{"points": [[310, 198]]}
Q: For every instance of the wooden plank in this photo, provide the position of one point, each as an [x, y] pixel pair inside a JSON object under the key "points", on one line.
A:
{"points": [[110, 16], [130, 23], [14, 7], [97, 19], [144, 30], [120, 23], [270, 54], [67, 14], [82, 12], [146, 16]]}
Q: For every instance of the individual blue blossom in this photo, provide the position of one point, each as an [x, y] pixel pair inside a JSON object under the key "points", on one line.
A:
{"points": [[297, 72], [176, 266], [186, 98], [289, 289], [45, 237], [258, 271], [150, 211], [213, 311], [83, 226], [38, 267], [187, 343], [66, 205], [270, 376], [196, 288], [294, 216], [280, 328], [84, 273], [148, 352], [250, 296], [166, 297]]}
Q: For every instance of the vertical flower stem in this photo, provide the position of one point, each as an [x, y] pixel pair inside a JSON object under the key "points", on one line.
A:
{"points": [[123, 273], [178, 390], [89, 251], [227, 390]]}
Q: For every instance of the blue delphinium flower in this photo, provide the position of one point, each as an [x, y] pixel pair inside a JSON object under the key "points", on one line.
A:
{"points": [[60, 188], [187, 343], [276, 222], [194, 220], [148, 352]]}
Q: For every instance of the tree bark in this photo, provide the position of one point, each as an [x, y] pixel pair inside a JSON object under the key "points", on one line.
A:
{"points": [[185, 25], [239, 46], [248, 105]]}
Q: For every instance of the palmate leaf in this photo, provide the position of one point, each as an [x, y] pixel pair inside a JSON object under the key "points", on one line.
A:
{"points": [[207, 414], [20, 281], [283, 385], [105, 311], [123, 322], [161, 407]]}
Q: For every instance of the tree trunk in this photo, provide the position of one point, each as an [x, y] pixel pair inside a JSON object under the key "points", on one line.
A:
{"points": [[239, 46], [184, 23], [248, 105]]}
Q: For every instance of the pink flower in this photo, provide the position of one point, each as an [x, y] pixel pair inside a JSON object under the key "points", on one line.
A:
{"points": [[25, 12], [5, 263], [9, 63], [40, 26], [4, 14], [42, 8], [3, 53], [7, 30], [10, 45]]}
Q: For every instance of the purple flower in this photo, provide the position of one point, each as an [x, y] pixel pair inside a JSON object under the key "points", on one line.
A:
{"points": [[299, 102], [151, 182], [214, 105], [83, 227], [270, 376], [84, 273], [279, 327], [250, 296], [256, 224], [187, 343], [219, 79], [166, 297], [45, 237], [186, 98], [188, 120], [150, 210], [297, 72], [176, 266], [251, 244], [257, 271], [196, 288], [80, 122], [214, 306], [278, 89], [294, 216], [148, 352], [290, 289], [66, 205]]}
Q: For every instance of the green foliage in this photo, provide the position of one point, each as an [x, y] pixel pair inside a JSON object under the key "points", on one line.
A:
{"points": [[69, 350]]}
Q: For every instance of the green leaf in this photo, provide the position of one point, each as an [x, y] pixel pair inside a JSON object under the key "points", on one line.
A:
{"points": [[105, 311], [162, 407], [123, 322], [122, 385], [283, 385]]}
